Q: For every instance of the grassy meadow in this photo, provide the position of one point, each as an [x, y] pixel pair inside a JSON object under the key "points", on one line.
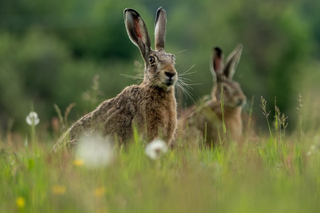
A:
{"points": [[261, 173], [53, 55]]}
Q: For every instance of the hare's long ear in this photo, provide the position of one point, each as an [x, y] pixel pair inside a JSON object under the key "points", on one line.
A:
{"points": [[160, 28], [137, 31], [216, 63], [232, 62], [216, 67]]}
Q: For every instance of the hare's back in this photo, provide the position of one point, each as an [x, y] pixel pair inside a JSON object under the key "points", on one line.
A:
{"points": [[112, 117]]}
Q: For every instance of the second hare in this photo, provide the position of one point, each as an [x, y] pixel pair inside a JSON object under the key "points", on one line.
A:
{"points": [[150, 106], [218, 118]]}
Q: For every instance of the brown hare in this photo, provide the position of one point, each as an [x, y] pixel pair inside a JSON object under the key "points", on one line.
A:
{"points": [[224, 108], [150, 106]]}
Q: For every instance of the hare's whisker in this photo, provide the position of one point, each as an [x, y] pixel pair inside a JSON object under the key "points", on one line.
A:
{"points": [[132, 76], [247, 106], [185, 91], [187, 71], [185, 79], [186, 85], [195, 84], [181, 51]]}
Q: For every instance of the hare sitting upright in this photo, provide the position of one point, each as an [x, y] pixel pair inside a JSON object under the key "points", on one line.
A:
{"points": [[150, 106], [224, 108]]}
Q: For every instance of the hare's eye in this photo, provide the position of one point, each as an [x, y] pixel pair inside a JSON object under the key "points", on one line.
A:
{"points": [[152, 59], [224, 88]]}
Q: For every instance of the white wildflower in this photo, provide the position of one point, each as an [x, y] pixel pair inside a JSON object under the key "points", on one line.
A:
{"points": [[95, 151], [156, 148], [32, 119]]}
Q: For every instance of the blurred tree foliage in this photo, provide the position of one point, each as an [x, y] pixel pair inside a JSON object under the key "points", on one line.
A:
{"points": [[50, 51]]}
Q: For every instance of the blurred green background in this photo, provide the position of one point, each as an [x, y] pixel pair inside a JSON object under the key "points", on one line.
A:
{"points": [[50, 52]]}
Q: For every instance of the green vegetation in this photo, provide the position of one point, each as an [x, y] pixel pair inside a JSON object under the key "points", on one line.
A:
{"points": [[278, 173], [52, 52]]}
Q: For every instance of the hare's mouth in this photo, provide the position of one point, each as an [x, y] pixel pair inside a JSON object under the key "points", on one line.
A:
{"points": [[168, 77], [169, 82]]}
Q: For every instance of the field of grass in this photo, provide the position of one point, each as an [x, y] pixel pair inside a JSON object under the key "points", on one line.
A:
{"points": [[259, 174]]}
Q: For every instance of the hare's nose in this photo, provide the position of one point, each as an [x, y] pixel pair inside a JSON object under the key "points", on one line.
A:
{"points": [[170, 74], [241, 102]]}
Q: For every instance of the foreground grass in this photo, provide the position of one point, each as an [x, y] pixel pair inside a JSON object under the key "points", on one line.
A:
{"points": [[262, 176]]}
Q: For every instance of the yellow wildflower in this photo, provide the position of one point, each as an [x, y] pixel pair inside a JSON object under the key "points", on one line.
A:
{"points": [[99, 191], [20, 202], [59, 190], [78, 162]]}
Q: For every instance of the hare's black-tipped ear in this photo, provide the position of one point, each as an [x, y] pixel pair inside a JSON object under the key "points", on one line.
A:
{"points": [[137, 31], [216, 63], [160, 28], [232, 62]]}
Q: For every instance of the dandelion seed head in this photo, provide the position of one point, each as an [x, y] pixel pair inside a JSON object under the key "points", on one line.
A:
{"points": [[156, 148], [32, 119], [94, 151]]}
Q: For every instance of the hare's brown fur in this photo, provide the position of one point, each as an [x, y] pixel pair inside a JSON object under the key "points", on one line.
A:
{"points": [[206, 120], [151, 109], [150, 106]]}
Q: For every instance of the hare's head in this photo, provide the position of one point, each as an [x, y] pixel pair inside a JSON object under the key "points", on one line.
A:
{"points": [[159, 65], [233, 96]]}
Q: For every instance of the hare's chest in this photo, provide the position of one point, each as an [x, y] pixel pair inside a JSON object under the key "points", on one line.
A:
{"points": [[158, 114], [234, 126], [160, 118]]}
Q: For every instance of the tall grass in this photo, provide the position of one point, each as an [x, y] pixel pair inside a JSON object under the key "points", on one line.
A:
{"points": [[261, 174]]}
